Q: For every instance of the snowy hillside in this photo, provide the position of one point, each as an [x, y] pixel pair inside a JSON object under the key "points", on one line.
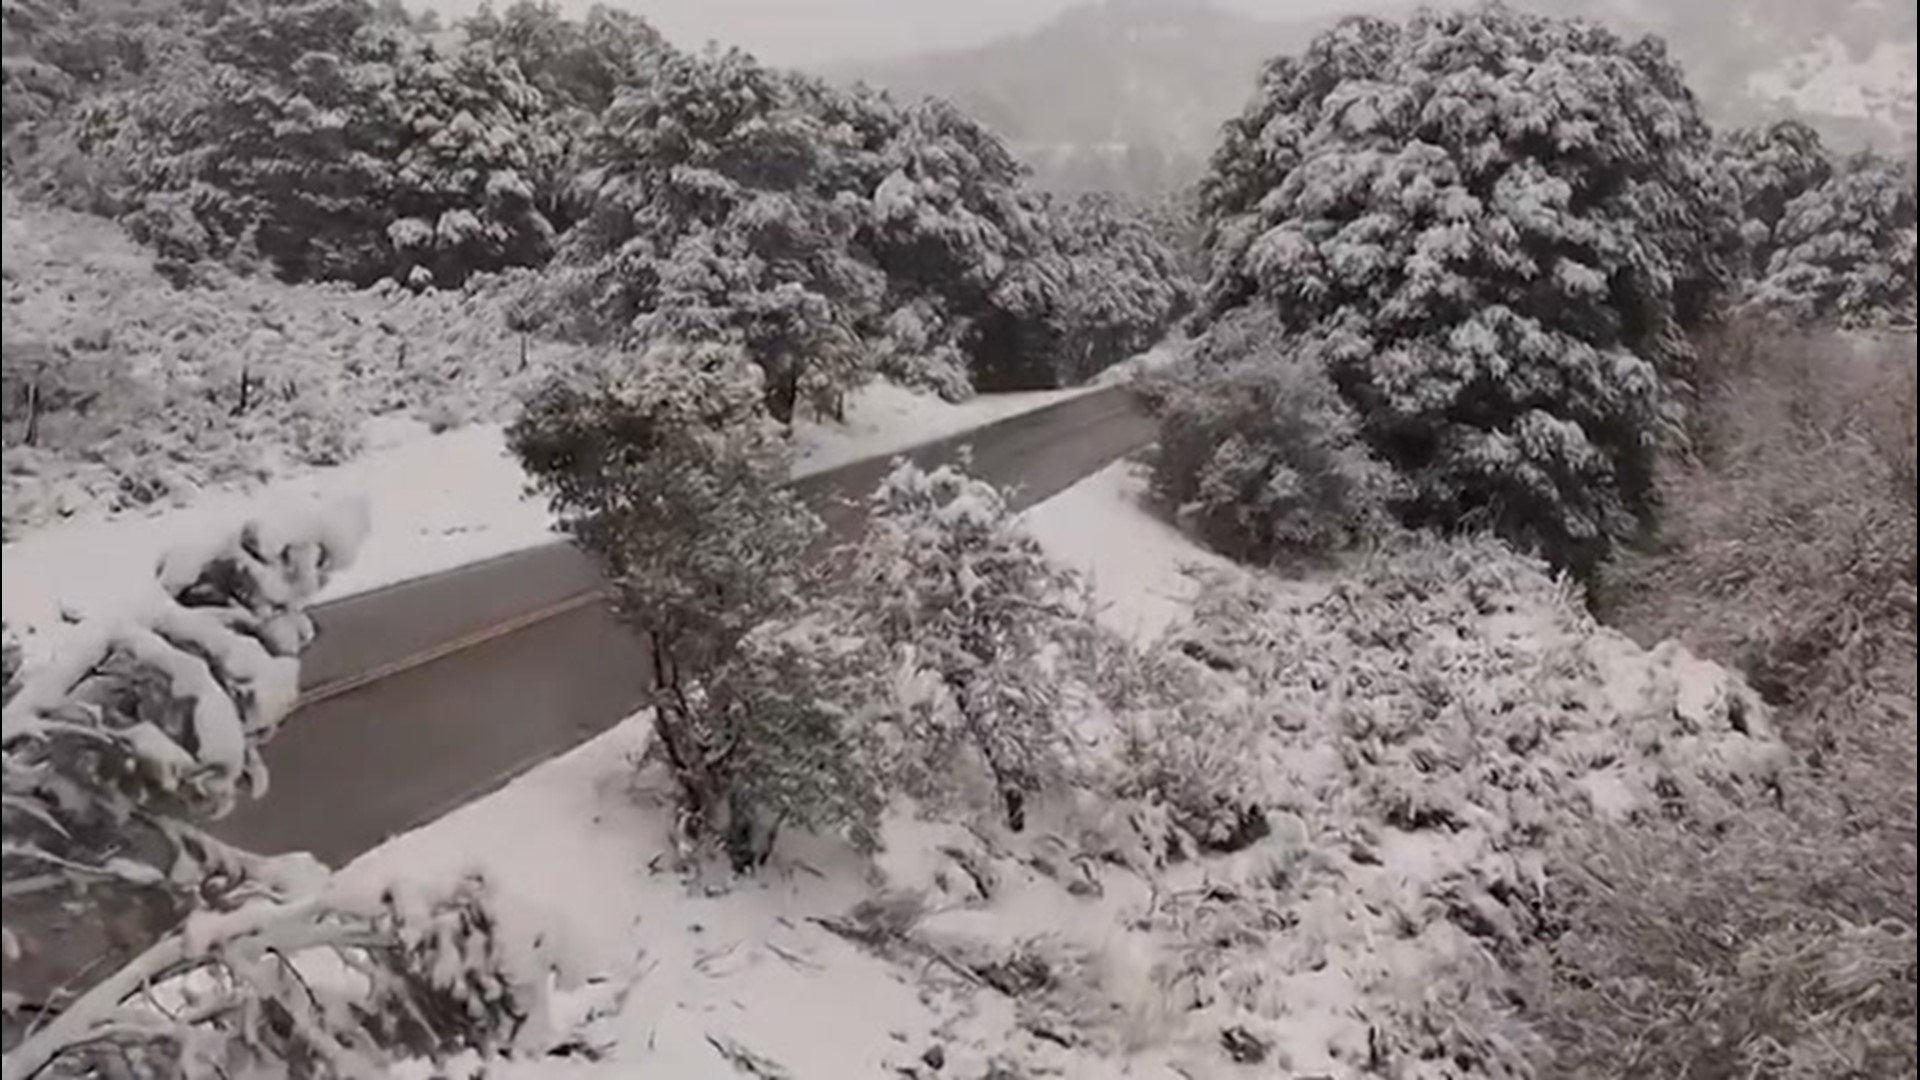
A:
{"points": [[171, 398], [1847, 67], [1438, 718]]}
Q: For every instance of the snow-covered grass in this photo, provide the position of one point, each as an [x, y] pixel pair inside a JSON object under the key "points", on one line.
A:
{"points": [[1417, 728], [155, 396], [1783, 946]]}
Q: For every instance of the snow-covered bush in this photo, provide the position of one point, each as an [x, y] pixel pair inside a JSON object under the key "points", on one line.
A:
{"points": [[1258, 453], [672, 474], [1843, 252], [121, 750], [1190, 754], [1490, 226], [790, 708], [978, 625], [576, 64], [1428, 727], [1769, 168]]}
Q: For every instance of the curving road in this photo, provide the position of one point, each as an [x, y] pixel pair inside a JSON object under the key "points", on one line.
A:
{"points": [[427, 694], [422, 696]]}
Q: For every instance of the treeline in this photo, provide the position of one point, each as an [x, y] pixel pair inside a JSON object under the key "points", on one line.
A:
{"points": [[832, 232]]}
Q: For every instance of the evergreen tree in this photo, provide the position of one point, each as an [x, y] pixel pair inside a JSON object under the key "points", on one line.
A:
{"points": [[1491, 227]]}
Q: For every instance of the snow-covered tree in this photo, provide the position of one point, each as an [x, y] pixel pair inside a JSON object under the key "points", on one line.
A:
{"points": [[575, 64], [673, 475], [1491, 227], [1769, 168], [1259, 455], [709, 222], [1843, 251], [335, 144], [1127, 286], [962, 601], [832, 233], [118, 753]]}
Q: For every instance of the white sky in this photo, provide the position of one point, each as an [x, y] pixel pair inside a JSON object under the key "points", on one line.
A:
{"points": [[800, 32]]}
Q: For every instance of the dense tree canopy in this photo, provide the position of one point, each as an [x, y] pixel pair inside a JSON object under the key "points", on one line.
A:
{"points": [[831, 233], [834, 234], [1489, 226]]}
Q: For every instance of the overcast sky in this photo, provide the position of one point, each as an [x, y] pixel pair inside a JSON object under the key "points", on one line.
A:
{"points": [[813, 31]]}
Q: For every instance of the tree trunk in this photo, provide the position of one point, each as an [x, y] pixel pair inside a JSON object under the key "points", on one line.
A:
{"points": [[783, 395]]}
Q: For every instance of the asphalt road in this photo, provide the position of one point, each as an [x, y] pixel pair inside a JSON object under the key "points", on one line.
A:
{"points": [[427, 694], [430, 693]]}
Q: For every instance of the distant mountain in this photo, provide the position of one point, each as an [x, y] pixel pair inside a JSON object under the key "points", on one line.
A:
{"points": [[1846, 66], [1121, 95], [1129, 95]]}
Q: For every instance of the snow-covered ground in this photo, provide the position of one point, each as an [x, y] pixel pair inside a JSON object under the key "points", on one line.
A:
{"points": [[1142, 567], [440, 500], [1465, 689]]}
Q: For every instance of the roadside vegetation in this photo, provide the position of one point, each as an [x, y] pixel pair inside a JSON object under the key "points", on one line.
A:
{"points": [[1558, 721]]}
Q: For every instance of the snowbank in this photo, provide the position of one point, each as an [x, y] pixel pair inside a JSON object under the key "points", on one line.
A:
{"points": [[713, 972], [1142, 568]]}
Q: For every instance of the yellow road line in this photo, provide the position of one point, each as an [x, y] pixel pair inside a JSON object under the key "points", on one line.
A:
{"points": [[500, 629], [447, 648]]}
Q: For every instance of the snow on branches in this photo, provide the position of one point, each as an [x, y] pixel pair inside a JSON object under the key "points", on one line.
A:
{"points": [[1826, 241], [1843, 252], [120, 750], [1489, 226], [966, 606], [154, 719]]}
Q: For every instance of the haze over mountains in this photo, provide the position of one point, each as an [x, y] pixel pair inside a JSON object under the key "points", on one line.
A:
{"points": [[1128, 94]]}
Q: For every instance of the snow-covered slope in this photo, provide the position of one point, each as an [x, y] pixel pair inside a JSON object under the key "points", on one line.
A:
{"points": [[1417, 729]]}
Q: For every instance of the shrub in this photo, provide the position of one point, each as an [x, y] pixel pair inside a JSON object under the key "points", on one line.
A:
{"points": [[978, 625], [1258, 453], [117, 756], [1489, 226], [675, 478]]}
